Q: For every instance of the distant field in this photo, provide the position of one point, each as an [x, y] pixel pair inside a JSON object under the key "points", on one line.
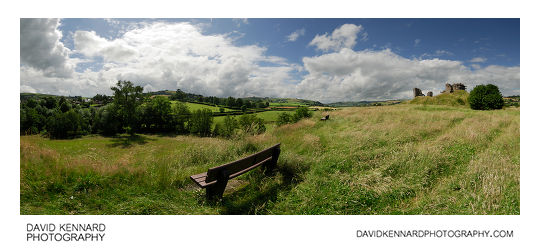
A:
{"points": [[195, 106], [268, 116], [400, 159], [286, 104]]}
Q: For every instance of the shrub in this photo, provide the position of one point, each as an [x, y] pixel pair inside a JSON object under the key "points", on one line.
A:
{"points": [[252, 124], [301, 112], [218, 130], [485, 97], [284, 118]]}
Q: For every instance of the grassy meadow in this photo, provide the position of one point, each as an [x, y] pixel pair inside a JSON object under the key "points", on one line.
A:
{"points": [[194, 106], [399, 159]]}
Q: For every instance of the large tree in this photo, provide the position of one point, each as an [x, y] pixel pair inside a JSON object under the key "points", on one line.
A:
{"points": [[126, 98]]}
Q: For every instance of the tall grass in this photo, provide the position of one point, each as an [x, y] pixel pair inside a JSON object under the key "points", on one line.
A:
{"points": [[457, 98], [401, 159]]}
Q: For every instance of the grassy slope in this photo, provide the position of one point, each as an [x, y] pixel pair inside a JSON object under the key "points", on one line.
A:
{"points": [[402, 159], [458, 98]]}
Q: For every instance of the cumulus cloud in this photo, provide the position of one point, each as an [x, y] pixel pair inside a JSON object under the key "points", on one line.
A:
{"points": [[377, 75], [91, 45], [478, 60], [41, 48], [294, 35], [342, 37], [171, 56]]}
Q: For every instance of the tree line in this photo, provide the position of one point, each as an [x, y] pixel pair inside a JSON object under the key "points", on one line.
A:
{"points": [[230, 102], [127, 111]]}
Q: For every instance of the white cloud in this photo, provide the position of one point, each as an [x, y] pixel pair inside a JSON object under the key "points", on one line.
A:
{"points": [[91, 45], [417, 42], [376, 75], [478, 60], [436, 54], [476, 66], [41, 47], [27, 89], [342, 37], [171, 56], [294, 35], [178, 56]]}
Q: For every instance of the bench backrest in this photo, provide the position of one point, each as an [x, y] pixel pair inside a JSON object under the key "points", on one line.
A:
{"points": [[243, 165]]}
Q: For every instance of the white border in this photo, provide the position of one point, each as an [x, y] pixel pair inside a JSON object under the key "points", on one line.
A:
{"points": [[272, 231]]}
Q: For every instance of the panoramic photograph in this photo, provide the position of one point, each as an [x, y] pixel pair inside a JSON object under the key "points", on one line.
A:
{"points": [[274, 116]]}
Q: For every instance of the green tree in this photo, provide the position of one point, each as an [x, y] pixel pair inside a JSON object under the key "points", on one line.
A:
{"points": [[126, 98], [106, 120], [65, 106], [65, 125], [200, 122], [229, 126], [159, 110], [486, 97], [50, 102], [31, 121], [218, 130], [239, 102], [180, 115]]}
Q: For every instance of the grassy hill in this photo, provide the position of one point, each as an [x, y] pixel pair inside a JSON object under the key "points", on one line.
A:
{"points": [[458, 98], [400, 159]]}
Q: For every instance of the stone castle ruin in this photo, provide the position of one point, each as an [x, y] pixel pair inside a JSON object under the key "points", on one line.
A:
{"points": [[417, 92], [449, 88]]}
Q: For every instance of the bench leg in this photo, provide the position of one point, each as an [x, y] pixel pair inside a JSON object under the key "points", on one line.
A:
{"points": [[215, 191], [269, 168]]}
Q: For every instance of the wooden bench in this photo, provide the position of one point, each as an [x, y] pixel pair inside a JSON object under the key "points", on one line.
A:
{"points": [[325, 118], [215, 179]]}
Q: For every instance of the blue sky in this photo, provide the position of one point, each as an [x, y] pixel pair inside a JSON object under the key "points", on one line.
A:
{"points": [[319, 59]]}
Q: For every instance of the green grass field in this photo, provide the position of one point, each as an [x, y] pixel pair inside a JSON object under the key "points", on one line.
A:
{"points": [[194, 106], [400, 159]]}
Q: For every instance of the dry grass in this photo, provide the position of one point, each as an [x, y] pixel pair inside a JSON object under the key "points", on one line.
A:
{"points": [[401, 159]]}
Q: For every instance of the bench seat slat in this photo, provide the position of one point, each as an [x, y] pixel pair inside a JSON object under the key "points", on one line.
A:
{"points": [[250, 168], [241, 164], [234, 169], [199, 179]]}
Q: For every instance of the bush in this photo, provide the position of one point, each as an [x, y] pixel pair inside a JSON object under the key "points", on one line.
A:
{"points": [[284, 118], [252, 124], [486, 97], [301, 112]]}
